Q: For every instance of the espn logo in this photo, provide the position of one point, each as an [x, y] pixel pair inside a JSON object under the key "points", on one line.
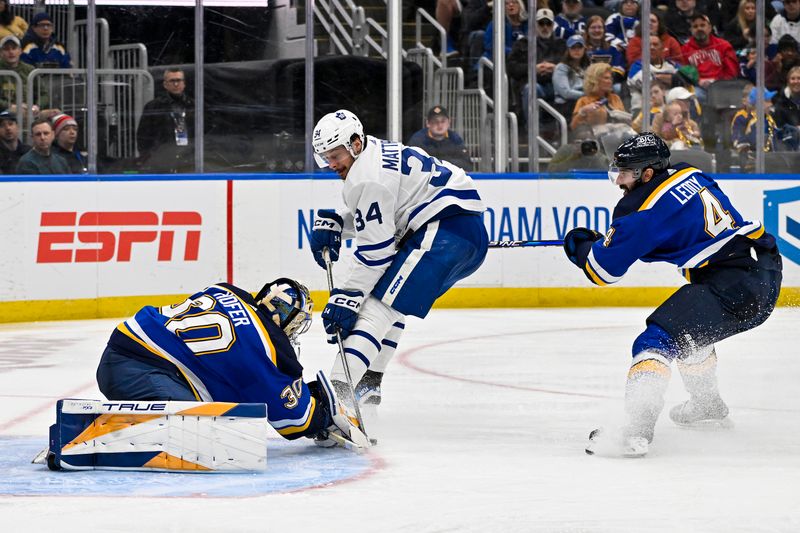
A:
{"points": [[118, 236]]}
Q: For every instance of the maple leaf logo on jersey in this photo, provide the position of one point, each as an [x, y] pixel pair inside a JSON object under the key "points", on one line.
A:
{"points": [[340, 115]]}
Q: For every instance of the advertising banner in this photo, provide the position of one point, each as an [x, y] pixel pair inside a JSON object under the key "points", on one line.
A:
{"points": [[118, 238]]}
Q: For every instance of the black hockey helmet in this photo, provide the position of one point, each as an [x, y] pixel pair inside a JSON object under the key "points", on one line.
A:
{"points": [[288, 303], [646, 150]]}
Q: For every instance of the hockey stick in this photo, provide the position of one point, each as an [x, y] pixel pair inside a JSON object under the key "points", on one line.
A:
{"points": [[524, 244], [329, 269]]}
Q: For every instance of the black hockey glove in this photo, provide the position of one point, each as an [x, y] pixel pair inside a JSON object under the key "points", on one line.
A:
{"points": [[577, 244]]}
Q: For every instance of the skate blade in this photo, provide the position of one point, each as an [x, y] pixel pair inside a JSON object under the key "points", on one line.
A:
{"points": [[41, 457], [708, 425]]}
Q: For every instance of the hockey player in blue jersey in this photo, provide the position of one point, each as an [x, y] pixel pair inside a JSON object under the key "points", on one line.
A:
{"points": [[418, 229], [677, 214], [223, 345]]}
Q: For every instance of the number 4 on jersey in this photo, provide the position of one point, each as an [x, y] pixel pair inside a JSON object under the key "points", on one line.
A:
{"points": [[717, 218]]}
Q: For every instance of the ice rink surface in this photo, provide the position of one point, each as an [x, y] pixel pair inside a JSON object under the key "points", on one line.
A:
{"points": [[482, 428]]}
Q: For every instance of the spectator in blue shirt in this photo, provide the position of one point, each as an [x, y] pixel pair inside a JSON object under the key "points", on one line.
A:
{"points": [[40, 47], [571, 20], [440, 141], [621, 27], [516, 27]]}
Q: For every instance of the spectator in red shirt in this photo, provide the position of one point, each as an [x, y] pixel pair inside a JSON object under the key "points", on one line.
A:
{"points": [[714, 58]]}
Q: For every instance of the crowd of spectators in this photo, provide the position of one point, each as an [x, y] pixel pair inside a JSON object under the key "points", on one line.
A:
{"points": [[24, 47], [588, 65]]}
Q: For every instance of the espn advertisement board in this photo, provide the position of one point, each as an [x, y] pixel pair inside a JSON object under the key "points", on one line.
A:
{"points": [[117, 237]]}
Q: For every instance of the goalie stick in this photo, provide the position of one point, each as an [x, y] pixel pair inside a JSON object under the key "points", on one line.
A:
{"points": [[524, 244], [329, 269]]}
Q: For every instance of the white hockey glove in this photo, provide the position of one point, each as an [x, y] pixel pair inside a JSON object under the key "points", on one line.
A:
{"points": [[344, 431]]}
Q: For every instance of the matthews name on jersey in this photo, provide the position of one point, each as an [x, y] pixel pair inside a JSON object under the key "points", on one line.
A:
{"points": [[228, 352], [400, 188], [681, 217]]}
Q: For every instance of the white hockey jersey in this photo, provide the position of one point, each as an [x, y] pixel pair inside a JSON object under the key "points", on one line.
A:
{"points": [[392, 190]]}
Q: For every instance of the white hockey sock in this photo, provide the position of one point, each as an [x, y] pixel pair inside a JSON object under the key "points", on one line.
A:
{"points": [[699, 373], [389, 346], [363, 344], [647, 382]]}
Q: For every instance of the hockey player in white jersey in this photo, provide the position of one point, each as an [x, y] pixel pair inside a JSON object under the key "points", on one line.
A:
{"points": [[418, 230]]}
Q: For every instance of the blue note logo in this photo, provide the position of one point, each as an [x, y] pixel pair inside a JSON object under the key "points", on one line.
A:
{"points": [[782, 219]]}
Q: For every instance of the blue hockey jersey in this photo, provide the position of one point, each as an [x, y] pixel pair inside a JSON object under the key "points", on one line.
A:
{"points": [[228, 352], [680, 216]]}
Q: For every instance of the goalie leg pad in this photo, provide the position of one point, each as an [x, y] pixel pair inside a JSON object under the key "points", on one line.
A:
{"points": [[161, 436], [344, 429]]}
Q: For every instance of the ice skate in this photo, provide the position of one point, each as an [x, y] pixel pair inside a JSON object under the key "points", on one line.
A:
{"points": [[698, 414], [368, 390], [616, 444]]}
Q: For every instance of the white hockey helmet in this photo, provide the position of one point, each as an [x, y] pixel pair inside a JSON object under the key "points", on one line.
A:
{"points": [[288, 303], [336, 129]]}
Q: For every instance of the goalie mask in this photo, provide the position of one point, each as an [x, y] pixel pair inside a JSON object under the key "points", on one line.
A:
{"points": [[289, 305], [336, 129]]}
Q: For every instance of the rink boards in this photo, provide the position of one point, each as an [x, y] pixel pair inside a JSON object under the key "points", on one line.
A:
{"points": [[92, 247]]}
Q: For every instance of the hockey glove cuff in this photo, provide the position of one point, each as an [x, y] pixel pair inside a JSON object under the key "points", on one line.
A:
{"points": [[326, 233], [341, 313], [577, 244]]}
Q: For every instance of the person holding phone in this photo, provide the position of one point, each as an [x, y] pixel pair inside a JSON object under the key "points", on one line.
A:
{"points": [[599, 99]]}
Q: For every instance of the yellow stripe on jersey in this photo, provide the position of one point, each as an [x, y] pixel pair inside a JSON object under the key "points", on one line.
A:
{"points": [[297, 429], [757, 234], [594, 276], [263, 333], [123, 328], [662, 189]]}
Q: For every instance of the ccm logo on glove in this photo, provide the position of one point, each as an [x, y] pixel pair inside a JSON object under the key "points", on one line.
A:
{"points": [[353, 304], [326, 233], [341, 312]]}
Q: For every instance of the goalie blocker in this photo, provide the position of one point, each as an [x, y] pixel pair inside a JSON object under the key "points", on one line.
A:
{"points": [[157, 436]]}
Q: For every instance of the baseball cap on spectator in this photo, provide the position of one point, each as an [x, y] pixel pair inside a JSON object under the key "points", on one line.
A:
{"points": [[699, 16], [9, 39], [768, 95], [575, 40], [40, 17], [437, 111], [61, 121], [7, 115], [689, 74], [678, 93], [545, 14]]}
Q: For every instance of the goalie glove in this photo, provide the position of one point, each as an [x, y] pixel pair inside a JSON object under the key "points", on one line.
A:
{"points": [[344, 430]]}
